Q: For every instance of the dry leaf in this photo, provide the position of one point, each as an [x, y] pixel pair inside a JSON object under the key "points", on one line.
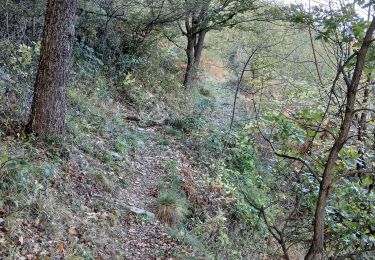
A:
{"points": [[9, 138], [61, 247], [72, 231]]}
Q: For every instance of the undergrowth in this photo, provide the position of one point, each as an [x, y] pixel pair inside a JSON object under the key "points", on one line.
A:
{"points": [[58, 195], [63, 192]]}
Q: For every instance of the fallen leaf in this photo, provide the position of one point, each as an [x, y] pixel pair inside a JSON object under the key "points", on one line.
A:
{"points": [[70, 170], [61, 247], [9, 138], [72, 231]]}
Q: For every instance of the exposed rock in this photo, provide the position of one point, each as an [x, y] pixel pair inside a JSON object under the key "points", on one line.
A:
{"points": [[116, 156], [140, 211]]}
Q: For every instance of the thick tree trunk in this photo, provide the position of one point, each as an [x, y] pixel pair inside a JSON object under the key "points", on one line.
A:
{"points": [[49, 102], [317, 246]]}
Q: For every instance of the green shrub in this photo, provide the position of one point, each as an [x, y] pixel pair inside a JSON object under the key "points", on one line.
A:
{"points": [[173, 132], [120, 146]]}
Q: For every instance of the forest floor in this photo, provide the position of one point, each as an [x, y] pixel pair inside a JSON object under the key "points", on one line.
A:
{"points": [[151, 239], [99, 203]]}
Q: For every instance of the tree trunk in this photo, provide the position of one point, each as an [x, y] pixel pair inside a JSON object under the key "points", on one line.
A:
{"points": [[6, 21], [33, 32], [195, 42], [190, 68], [48, 109], [362, 127], [198, 48], [362, 121], [317, 246], [194, 54]]}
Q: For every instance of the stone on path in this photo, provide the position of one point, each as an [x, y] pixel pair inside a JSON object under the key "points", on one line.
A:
{"points": [[140, 211]]}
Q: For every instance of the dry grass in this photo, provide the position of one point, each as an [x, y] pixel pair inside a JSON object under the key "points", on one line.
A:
{"points": [[170, 207]]}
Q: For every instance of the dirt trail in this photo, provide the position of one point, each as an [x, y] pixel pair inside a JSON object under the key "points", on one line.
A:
{"points": [[222, 83], [151, 240]]}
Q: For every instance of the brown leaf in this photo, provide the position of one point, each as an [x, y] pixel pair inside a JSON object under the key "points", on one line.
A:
{"points": [[61, 247], [72, 231], [9, 138]]}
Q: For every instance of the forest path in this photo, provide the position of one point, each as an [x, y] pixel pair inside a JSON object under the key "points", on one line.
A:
{"points": [[145, 238], [221, 83], [214, 78], [150, 240]]}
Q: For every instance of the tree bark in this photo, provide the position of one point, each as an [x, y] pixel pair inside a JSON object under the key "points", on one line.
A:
{"points": [[198, 48], [317, 246], [194, 22], [362, 121], [189, 73], [6, 21], [48, 108], [194, 52]]}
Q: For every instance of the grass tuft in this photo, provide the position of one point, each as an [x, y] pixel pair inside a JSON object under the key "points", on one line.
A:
{"points": [[170, 207]]}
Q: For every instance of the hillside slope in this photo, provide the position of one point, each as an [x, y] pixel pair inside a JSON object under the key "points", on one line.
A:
{"points": [[94, 194]]}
